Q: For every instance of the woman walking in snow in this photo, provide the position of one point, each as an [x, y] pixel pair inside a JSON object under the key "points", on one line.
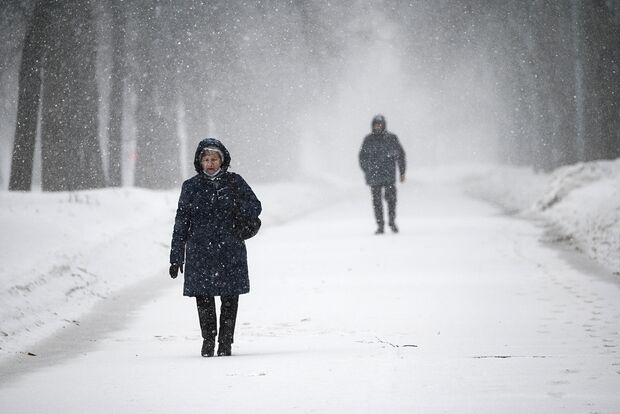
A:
{"points": [[217, 210]]}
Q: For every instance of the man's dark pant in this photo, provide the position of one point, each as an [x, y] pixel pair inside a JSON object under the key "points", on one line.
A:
{"points": [[208, 320], [389, 192]]}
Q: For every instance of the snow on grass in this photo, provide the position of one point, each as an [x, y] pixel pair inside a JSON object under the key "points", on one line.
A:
{"points": [[463, 311], [580, 203], [63, 252]]}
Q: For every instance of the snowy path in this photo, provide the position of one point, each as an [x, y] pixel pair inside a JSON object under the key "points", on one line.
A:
{"points": [[464, 311]]}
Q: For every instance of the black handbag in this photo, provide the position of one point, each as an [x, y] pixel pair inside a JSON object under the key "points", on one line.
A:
{"points": [[244, 226]]}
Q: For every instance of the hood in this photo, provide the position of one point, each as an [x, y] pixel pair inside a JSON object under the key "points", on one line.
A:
{"points": [[376, 119], [211, 142]]}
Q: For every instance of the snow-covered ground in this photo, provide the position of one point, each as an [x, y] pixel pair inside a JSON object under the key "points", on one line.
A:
{"points": [[63, 252], [464, 311], [580, 204]]}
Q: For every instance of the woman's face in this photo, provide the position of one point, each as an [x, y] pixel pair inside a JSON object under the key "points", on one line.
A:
{"points": [[210, 162]]}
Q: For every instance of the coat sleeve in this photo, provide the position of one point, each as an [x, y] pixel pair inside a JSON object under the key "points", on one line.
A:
{"points": [[182, 224], [364, 156], [401, 158], [249, 205]]}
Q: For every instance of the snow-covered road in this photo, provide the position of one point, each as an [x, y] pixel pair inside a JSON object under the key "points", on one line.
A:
{"points": [[464, 311]]}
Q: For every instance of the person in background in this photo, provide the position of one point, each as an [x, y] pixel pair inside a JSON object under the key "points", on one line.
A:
{"points": [[206, 242], [381, 152]]}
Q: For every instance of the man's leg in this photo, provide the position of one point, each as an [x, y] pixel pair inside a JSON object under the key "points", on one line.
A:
{"points": [[377, 204], [390, 197]]}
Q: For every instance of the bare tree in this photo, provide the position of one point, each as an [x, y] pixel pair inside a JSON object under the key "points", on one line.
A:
{"points": [[157, 143], [601, 48], [70, 151], [117, 88], [33, 56], [57, 80]]}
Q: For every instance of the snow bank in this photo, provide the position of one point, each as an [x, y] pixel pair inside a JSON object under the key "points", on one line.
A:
{"points": [[580, 203], [63, 252]]}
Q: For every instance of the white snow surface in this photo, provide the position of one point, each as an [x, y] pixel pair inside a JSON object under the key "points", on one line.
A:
{"points": [[466, 310], [63, 252], [580, 203]]}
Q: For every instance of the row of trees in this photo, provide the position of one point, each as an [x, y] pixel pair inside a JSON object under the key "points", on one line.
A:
{"points": [[93, 73], [58, 95], [58, 68], [560, 79], [160, 62], [552, 65]]}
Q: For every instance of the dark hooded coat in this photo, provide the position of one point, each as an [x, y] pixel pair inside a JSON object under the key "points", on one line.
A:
{"points": [[380, 153], [204, 239]]}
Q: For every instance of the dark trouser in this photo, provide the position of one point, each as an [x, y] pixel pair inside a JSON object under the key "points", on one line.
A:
{"points": [[389, 192], [208, 321]]}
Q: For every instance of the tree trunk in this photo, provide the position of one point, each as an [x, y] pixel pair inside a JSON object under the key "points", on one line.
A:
{"points": [[578, 80], [70, 151], [33, 56], [601, 81], [90, 171], [117, 79], [157, 143], [145, 102]]}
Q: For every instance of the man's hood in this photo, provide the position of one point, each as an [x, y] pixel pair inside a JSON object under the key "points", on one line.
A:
{"points": [[378, 119]]}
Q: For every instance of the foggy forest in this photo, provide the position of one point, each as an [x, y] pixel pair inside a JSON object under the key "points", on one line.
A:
{"points": [[459, 255], [113, 93]]}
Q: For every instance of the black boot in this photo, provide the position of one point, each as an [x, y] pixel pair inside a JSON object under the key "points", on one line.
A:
{"points": [[380, 230], [393, 227], [208, 348], [224, 349], [228, 318], [208, 324]]}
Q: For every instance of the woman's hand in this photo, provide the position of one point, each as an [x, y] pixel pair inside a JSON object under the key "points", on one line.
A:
{"points": [[174, 269]]}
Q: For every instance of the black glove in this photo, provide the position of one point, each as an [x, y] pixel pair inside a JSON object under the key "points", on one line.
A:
{"points": [[174, 269]]}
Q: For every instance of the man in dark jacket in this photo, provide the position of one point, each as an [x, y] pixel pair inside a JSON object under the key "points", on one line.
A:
{"points": [[380, 153]]}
